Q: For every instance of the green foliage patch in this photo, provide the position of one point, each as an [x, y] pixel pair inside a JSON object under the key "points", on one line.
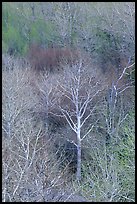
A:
{"points": [[18, 32]]}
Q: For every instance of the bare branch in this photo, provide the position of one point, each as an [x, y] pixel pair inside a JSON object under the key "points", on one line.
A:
{"points": [[88, 131], [69, 120], [124, 72], [88, 116]]}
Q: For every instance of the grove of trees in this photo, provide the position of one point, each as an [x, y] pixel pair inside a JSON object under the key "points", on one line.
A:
{"points": [[68, 93]]}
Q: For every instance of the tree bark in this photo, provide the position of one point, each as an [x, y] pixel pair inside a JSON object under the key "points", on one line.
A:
{"points": [[78, 176], [79, 161]]}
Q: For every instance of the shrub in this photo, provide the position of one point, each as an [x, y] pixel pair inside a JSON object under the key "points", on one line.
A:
{"points": [[50, 59]]}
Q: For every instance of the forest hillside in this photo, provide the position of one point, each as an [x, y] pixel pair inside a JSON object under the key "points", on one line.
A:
{"points": [[68, 101]]}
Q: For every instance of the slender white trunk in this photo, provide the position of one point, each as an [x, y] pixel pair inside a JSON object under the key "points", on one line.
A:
{"points": [[78, 150]]}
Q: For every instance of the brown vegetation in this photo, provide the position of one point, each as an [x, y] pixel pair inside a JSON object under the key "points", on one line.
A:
{"points": [[51, 59]]}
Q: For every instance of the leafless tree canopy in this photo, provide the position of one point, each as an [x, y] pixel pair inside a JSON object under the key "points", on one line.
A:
{"points": [[68, 102]]}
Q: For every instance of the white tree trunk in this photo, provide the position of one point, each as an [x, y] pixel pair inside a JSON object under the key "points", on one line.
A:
{"points": [[78, 150], [79, 161]]}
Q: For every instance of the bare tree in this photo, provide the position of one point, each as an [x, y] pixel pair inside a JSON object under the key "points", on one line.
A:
{"points": [[17, 137], [115, 117], [72, 95], [80, 88]]}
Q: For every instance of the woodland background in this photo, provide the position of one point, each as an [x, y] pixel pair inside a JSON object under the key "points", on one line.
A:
{"points": [[68, 98]]}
